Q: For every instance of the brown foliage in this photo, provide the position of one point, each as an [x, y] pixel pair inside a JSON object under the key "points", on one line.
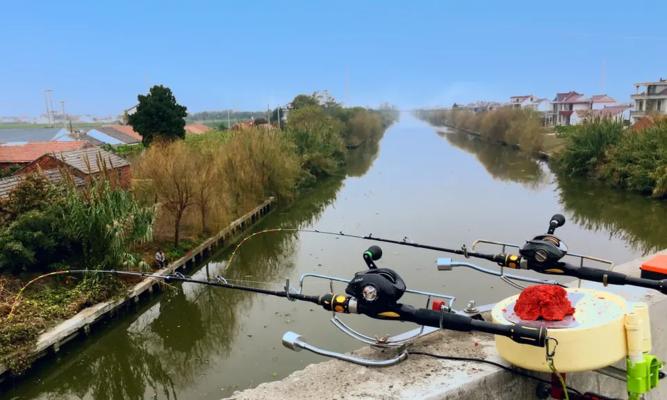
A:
{"points": [[202, 188]]}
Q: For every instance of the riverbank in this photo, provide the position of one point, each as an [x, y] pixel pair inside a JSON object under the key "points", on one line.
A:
{"points": [[550, 147], [429, 378], [87, 319], [511, 126], [628, 158]]}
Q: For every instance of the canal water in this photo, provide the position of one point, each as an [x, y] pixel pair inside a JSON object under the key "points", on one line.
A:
{"points": [[429, 186]]}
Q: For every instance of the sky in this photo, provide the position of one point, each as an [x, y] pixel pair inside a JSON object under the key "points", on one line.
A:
{"points": [[98, 56]]}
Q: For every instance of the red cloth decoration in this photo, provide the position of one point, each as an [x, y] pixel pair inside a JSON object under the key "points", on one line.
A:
{"points": [[548, 302]]}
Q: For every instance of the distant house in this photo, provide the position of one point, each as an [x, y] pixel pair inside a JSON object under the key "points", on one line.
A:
{"points": [[571, 108], [8, 184], [125, 116], [604, 106], [479, 106], [87, 164], [113, 135], [600, 101], [565, 105], [24, 154], [196, 129], [652, 100], [530, 102]]}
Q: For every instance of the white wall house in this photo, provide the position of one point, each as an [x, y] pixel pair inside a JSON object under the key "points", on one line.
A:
{"points": [[572, 108], [564, 108], [652, 100]]}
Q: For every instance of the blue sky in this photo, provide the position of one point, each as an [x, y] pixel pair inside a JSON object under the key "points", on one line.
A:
{"points": [[97, 56]]}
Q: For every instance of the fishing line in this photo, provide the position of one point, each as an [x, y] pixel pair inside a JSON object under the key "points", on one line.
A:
{"points": [[462, 251]]}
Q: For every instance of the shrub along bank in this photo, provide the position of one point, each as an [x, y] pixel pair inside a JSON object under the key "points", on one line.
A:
{"points": [[204, 182], [627, 158], [507, 125], [46, 227]]}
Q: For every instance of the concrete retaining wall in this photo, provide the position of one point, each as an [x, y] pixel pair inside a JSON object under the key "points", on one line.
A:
{"points": [[422, 377], [50, 341]]}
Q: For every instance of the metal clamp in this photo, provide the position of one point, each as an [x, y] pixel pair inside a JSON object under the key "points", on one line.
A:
{"points": [[296, 342], [447, 264], [384, 342]]}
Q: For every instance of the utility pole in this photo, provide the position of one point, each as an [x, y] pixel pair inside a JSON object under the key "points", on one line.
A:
{"points": [[47, 102], [62, 107], [268, 114]]}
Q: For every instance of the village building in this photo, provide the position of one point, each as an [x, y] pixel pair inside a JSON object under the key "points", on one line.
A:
{"points": [[8, 184], [87, 163], [196, 129], [572, 108], [113, 135], [479, 106], [530, 102], [21, 154], [651, 101]]}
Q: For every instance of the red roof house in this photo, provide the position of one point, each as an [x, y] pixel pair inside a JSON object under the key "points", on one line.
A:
{"points": [[22, 154], [196, 129], [87, 164]]}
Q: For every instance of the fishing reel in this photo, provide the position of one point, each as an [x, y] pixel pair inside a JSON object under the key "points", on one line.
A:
{"points": [[545, 251], [376, 289]]}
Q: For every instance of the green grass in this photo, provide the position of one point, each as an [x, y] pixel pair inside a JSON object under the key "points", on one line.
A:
{"points": [[553, 144], [43, 306]]}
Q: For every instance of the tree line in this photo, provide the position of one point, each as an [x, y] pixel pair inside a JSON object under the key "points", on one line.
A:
{"points": [[205, 181], [522, 127]]}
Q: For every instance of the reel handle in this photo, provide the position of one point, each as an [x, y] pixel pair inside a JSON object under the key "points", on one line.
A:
{"points": [[373, 253], [556, 221]]}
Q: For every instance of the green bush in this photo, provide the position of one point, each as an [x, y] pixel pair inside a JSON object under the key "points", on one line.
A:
{"points": [[318, 140], [45, 225], [587, 145], [638, 162]]}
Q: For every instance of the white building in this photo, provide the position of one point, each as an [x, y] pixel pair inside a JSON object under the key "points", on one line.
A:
{"points": [[653, 100]]}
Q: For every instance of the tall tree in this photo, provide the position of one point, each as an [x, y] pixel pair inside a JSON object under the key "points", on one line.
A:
{"points": [[304, 100], [170, 173], [159, 116]]}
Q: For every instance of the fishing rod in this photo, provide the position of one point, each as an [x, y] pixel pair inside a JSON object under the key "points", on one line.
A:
{"points": [[373, 293], [543, 254]]}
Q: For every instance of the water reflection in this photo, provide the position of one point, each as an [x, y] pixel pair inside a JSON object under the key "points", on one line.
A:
{"points": [[360, 159], [502, 162], [128, 371], [597, 207], [637, 220]]}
